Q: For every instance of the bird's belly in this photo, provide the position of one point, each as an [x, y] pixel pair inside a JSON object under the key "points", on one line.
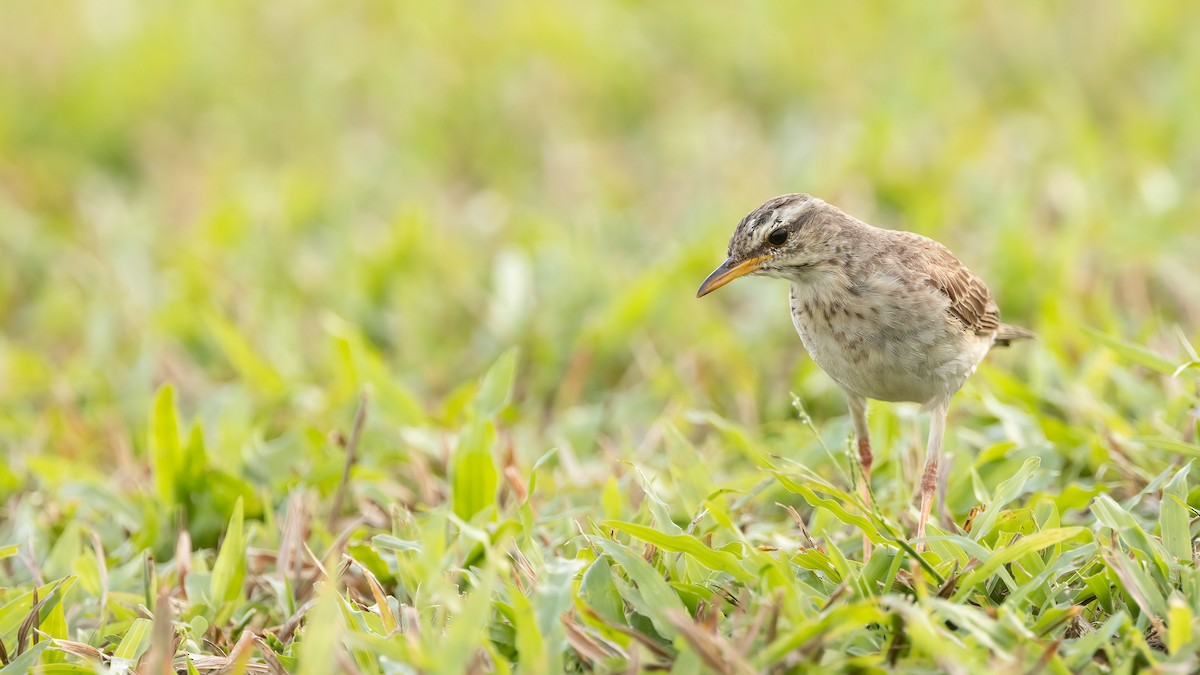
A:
{"points": [[887, 353], [875, 374]]}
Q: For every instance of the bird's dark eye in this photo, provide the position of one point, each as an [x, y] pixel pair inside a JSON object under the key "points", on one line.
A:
{"points": [[778, 237]]}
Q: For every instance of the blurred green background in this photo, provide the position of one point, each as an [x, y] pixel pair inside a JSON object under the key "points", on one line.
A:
{"points": [[197, 192], [274, 206]]}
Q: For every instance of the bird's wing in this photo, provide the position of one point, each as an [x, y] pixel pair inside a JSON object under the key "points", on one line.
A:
{"points": [[970, 300]]}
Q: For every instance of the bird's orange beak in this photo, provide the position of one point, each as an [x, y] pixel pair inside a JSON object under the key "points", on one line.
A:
{"points": [[727, 272]]}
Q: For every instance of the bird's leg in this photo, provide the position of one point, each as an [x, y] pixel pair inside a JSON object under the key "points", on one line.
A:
{"points": [[858, 413], [937, 430], [943, 489]]}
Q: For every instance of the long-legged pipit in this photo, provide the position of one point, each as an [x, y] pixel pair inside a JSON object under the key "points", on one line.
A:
{"points": [[889, 315]]}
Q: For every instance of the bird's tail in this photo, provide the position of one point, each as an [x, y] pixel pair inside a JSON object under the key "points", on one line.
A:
{"points": [[1007, 335]]}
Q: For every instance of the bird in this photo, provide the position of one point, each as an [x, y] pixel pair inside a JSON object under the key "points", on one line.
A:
{"points": [[889, 315]]}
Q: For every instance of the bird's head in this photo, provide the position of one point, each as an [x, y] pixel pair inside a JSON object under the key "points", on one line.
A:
{"points": [[791, 236]]}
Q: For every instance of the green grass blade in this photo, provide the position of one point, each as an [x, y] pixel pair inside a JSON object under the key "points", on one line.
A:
{"points": [[1007, 491], [1170, 445], [1143, 356], [254, 368], [1138, 585], [229, 571], [473, 470], [1181, 629], [1083, 650], [1111, 515], [829, 625], [135, 643], [495, 390], [318, 650], [833, 506], [720, 561], [166, 446], [1174, 517], [598, 591], [660, 598], [1025, 545], [466, 634], [25, 663]]}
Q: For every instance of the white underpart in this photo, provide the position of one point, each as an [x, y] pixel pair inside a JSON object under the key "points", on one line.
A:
{"points": [[888, 343]]}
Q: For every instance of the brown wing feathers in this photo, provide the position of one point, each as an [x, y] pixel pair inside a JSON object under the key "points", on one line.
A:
{"points": [[970, 300]]}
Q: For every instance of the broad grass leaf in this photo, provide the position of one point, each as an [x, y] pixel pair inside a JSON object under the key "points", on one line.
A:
{"points": [[530, 646], [1189, 587], [473, 472], [713, 559], [1180, 625], [1082, 651], [817, 561], [23, 664], [387, 542], [166, 446], [1169, 445], [1007, 491], [1039, 589], [880, 571], [929, 637], [46, 667], [322, 630], [253, 369], [839, 562], [135, 642], [1174, 517], [974, 622], [191, 477], [1050, 619], [69, 546], [965, 548], [1184, 367], [358, 621], [551, 599], [531, 488], [833, 506], [1111, 515], [495, 390], [359, 363], [598, 591], [1130, 351], [658, 508], [17, 607], [53, 617], [736, 435], [467, 633], [1099, 585], [1138, 585], [612, 500], [658, 596], [829, 626], [229, 571], [1024, 545]]}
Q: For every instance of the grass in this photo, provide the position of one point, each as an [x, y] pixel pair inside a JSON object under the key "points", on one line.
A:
{"points": [[362, 339]]}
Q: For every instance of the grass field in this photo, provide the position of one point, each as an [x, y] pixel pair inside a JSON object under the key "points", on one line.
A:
{"points": [[361, 338]]}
